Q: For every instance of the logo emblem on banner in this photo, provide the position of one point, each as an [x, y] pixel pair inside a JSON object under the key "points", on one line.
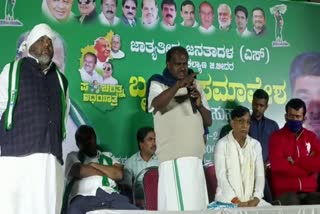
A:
{"points": [[278, 11], [9, 19]]}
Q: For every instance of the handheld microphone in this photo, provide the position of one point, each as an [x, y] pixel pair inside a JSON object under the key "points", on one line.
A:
{"points": [[192, 100]]}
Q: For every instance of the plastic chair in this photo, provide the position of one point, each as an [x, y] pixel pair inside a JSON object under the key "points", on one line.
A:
{"points": [[137, 188], [150, 188]]}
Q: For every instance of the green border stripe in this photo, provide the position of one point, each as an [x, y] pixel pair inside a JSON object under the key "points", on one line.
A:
{"points": [[9, 96], [180, 198]]}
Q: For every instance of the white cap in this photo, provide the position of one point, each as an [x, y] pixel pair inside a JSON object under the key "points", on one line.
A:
{"points": [[37, 32]]}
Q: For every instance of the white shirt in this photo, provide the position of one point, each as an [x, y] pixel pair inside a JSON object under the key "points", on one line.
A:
{"points": [[85, 77], [88, 186], [195, 24], [117, 55], [4, 82], [245, 33], [168, 27], [105, 21], [134, 165], [109, 81], [179, 130], [150, 25], [99, 64], [211, 29], [225, 164]]}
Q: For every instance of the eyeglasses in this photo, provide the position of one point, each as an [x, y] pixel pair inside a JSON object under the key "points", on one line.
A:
{"points": [[84, 1], [128, 7], [107, 69]]}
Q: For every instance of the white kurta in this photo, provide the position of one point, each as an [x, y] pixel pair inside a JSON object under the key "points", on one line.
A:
{"points": [[239, 170], [180, 149], [32, 184], [29, 184]]}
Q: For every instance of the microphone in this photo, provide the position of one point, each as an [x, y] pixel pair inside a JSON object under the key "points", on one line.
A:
{"points": [[192, 100]]}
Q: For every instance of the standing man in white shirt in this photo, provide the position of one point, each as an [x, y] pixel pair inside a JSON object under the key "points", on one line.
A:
{"points": [[181, 114]]}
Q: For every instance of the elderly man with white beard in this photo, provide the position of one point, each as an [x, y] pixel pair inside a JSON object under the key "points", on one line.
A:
{"points": [[224, 17], [34, 104]]}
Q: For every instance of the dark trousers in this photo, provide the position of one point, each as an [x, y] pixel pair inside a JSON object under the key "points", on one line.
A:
{"points": [[267, 192], [301, 198], [102, 200]]}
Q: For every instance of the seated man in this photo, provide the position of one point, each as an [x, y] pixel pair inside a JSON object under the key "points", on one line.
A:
{"points": [[294, 154], [91, 176], [144, 158], [239, 164]]}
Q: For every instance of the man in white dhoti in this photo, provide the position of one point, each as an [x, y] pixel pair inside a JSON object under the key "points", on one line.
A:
{"points": [[181, 112], [239, 164]]}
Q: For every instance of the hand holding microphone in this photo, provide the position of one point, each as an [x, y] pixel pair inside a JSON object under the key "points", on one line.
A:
{"points": [[195, 97], [187, 80]]}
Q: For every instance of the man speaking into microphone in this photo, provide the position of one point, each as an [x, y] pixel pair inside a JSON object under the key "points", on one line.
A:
{"points": [[181, 112]]}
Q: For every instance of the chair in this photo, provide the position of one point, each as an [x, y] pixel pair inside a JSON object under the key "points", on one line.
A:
{"points": [[211, 179], [137, 189], [150, 188], [269, 195]]}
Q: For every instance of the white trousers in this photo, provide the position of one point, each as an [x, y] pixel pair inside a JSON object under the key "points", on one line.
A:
{"points": [[31, 184], [182, 185]]}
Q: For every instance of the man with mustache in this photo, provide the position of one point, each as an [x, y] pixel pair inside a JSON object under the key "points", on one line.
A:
{"points": [[138, 162], [224, 17], [33, 127], [305, 77], [108, 14], [169, 12], [180, 115], [129, 9], [149, 13], [87, 10], [259, 21]]}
